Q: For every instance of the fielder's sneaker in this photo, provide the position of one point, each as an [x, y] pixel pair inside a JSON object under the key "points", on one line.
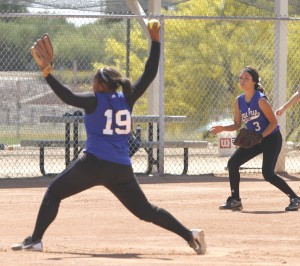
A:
{"points": [[28, 244], [197, 241], [232, 204], [294, 205]]}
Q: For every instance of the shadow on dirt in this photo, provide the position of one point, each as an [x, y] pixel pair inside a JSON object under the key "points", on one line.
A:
{"points": [[43, 181], [94, 255], [263, 212]]}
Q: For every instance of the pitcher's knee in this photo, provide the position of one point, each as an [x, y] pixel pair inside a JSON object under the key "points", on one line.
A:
{"points": [[51, 199], [148, 213]]}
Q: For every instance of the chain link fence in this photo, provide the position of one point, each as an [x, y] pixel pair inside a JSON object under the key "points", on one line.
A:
{"points": [[202, 56]]}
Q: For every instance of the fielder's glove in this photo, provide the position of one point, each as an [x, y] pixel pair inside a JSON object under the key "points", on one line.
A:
{"points": [[247, 138], [42, 52]]}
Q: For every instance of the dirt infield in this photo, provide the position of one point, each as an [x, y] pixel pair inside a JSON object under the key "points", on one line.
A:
{"points": [[93, 228]]}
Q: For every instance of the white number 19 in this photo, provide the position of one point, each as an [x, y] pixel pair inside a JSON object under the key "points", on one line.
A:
{"points": [[122, 123]]}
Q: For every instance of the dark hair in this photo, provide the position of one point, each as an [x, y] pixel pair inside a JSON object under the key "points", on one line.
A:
{"points": [[114, 79], [255, 77]]}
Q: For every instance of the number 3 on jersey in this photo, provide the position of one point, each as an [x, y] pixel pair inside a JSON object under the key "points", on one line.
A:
{"points": [[124, 123], [257, 126]]}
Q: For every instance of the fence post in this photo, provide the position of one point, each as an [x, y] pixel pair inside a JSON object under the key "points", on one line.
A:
{"points": [[280, 72], [161, 155], [156, 90]]}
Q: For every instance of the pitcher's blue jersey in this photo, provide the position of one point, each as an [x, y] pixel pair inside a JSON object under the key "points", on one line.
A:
{"points": [[108, 128], [252, 115]]}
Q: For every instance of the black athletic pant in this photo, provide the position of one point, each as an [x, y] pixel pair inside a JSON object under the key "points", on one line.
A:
{"points": [[88, 171], [270, 148]]}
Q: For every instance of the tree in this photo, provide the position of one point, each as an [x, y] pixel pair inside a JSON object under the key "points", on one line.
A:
{"points": [[12, 6], [204, 57]]}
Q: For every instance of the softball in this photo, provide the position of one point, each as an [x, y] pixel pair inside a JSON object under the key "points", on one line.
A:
{"points": [[153, 24]]}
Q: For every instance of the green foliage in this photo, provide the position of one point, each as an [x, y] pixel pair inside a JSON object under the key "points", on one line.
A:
{"points": [[11, 6], [214, 61]]}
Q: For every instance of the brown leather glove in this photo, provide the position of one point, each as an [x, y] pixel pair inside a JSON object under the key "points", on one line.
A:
{"points": [[42, 52], [247, 138]]}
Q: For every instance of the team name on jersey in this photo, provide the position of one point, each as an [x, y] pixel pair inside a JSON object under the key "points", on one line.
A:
{"points": [[250, 115]]}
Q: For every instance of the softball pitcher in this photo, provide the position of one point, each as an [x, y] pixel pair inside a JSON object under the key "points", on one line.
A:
{"points": [[106, 158]]}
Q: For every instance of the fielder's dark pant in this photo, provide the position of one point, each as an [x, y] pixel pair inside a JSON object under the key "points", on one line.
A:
{"points": [[270, 148], [88, 171]]}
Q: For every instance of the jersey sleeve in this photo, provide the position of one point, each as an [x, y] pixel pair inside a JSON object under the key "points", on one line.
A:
{"points": [[86, 101], [148, 75]]}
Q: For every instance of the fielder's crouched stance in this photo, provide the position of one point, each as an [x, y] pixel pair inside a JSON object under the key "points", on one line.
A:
{"points": [[106, 159], [261, 135]]}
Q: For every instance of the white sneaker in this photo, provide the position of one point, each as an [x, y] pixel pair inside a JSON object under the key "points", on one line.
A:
{"points": [[197, 241], [28, 244]]}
